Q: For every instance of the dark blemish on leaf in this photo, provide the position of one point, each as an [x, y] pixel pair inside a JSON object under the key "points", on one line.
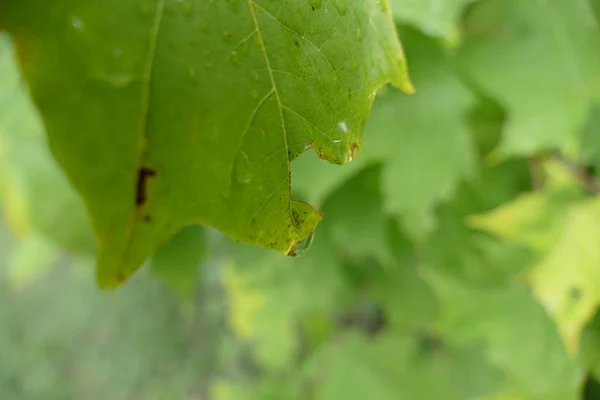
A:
{"points": [[228, 36], [120, 277], [296, 42], [147, 218], [354, 149], [141, 192], [296, 217], [575, 293], [313, 8]]}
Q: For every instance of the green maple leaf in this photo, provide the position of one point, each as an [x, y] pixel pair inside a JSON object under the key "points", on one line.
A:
{"points": [[168, 113], [539, 60]]}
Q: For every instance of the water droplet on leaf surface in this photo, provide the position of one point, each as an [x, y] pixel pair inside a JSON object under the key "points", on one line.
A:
{"points": [[243, 174], [342, 126], [341, 6], [77, 23]]}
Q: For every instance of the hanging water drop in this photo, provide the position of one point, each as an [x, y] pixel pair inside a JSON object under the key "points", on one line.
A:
{"points": [[303, 246]]}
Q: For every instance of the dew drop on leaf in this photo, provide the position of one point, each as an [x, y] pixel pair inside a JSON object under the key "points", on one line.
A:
{"points": [[242, 168], [342, 126], [235, 58], [341, 6], [302, 247]]}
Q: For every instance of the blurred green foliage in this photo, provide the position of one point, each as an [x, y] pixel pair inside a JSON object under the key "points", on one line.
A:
{"points": [[459, 256]]}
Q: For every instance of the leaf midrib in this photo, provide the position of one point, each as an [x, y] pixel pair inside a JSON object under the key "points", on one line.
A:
{"points": [[261, 43]]}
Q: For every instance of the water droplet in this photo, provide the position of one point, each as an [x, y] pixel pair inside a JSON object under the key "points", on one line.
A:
{"points": [[341, 6], [337, 141], [243, 174], [342, 126], [235, 58], [359, 34], [315, 3], [372, 95], [77, 23], [302, 247]]}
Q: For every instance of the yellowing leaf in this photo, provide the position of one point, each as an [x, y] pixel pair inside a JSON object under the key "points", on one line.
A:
{"points": [[33, 256], [245, 303], [565, 230], [567, 280], [174, 113], [533, 219]]}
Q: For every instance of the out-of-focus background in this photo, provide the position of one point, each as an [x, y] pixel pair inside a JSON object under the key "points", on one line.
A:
{"points": [[459, 258]]}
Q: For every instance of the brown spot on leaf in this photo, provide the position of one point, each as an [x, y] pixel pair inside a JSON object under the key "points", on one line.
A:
{"points": [[147, 218], [296, 43], [313, 8], [354, 149], [141, 195]]}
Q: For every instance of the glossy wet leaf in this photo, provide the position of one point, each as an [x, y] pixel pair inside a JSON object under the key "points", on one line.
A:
{"points": [[179, 112]]}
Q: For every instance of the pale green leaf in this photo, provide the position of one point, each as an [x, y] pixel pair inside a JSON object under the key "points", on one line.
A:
{"points": [[534, 219], [567, 280], [269, 293], [174, 113], [424, 139], [520, 338], [433, 17], [538, 59], [396, 367]]}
